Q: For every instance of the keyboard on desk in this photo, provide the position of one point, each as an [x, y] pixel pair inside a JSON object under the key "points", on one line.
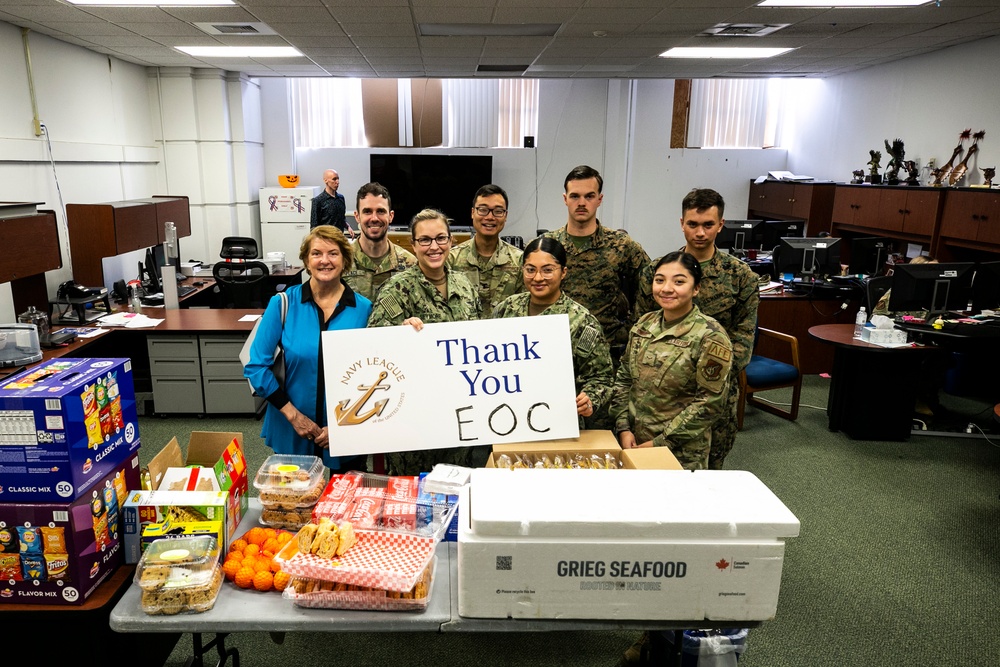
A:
{"points": [[184, 290]]}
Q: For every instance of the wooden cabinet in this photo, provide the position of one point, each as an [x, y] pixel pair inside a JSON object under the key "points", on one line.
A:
{"points": [[971, 216], [855, 205], [778, 200], [907, 211], [30, 248], [104, 230]]}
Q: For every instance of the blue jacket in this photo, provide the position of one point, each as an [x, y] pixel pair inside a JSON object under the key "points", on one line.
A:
{"points": [[300, 339]]}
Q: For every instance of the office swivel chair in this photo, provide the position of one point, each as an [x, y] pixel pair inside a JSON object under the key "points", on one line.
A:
{"points": [[240, 283], [764, 373]]}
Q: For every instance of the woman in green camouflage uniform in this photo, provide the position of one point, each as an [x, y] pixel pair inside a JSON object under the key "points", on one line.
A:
{"points": [[671, 384], [544, 267], [428, 292]]}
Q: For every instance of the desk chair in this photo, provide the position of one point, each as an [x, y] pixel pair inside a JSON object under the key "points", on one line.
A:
{"points": [[239, 248], [241, 285], [763, 374], [874, 289]]}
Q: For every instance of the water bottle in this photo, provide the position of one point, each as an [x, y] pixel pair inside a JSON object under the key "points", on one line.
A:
{"points": [[859, 323]]}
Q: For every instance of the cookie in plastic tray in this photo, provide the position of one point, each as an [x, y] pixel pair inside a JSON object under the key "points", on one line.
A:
{"points": [[320, 594], [195, 598], [384, 560], [179, 574], [388, 504], [289, 481], [292, 519]]}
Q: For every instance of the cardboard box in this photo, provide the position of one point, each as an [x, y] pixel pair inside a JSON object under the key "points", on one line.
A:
{"points": [[182, 529], [221, 452], [143, 508], [591, 443], [628, 545], [65, 424], [74, 546]]}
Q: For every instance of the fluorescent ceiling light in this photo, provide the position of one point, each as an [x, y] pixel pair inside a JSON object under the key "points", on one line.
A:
{"points": [[152, 3], [241, 51], [488, 29], [722, 52], [843, 3]]}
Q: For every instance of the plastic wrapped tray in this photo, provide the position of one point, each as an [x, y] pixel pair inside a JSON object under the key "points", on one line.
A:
{"points": [[319, 594], [179, 575], [386, 504], [292, 519], [289, 481], [194, 599], [383, 560]]}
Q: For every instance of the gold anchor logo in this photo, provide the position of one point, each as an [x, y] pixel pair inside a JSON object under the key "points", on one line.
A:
{"points": [[348, 414]]}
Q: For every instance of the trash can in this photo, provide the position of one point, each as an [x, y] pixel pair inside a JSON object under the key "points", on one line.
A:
{"points": [[704, 648]]}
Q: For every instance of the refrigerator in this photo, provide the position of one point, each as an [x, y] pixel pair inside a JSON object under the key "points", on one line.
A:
{"points": [[284, 219]]}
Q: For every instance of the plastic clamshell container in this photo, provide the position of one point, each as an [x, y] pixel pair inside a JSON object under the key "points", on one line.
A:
{"points": [[320, 594], [288, 481], [384, 504], [288, 519], [179, 574]]}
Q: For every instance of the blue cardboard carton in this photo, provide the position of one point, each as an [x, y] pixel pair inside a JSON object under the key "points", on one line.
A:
{"points": [[64, 425]]}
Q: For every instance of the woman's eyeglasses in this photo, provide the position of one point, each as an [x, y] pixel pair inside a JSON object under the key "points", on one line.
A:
{"points": [[425, 241], [546, 271]]}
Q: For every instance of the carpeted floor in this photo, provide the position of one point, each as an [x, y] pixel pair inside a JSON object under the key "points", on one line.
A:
{"points": [[896, 563]]}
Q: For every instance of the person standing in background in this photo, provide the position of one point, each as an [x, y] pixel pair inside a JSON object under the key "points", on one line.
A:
{"points": [[329, 207], [376, 258], [728, 293], [491, 264]]}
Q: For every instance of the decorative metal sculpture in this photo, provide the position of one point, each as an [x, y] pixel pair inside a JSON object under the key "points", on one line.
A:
{"points": [[958, 172], [873, 165], [911, 172], [896, 154], [859, 176], [941, 173], [988, 174]]}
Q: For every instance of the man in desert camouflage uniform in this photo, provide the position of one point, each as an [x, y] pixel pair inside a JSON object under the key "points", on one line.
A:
{"points": [[604, 264], [376, 258], [728, 293], [489, 262], [659, 406], [591, 359], [432, 292]]}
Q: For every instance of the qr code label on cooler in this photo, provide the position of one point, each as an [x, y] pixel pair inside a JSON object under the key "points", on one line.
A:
{"points": [[505, 562]]}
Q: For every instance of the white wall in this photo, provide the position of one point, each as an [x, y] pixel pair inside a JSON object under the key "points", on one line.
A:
{"points": [[925, 100], [96, 111]]}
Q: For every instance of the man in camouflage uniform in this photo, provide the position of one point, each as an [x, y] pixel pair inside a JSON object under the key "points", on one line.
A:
{"points": [[604, 265], [729, 293], [489, 262], [414, 294], [591, 359], [376, 258]]}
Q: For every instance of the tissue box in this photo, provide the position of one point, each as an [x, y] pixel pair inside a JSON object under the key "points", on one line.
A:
{"points": [[883, 336]]}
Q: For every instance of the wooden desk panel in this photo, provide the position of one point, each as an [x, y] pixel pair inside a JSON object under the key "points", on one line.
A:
{"points": [[795, 315]]}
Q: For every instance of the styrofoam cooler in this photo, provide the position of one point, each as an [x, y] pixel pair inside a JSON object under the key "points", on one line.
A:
{"points": [[625, 544]]}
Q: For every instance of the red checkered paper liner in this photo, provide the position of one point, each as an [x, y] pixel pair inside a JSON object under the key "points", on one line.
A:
{"points": [[391, 561], [356, 600]]}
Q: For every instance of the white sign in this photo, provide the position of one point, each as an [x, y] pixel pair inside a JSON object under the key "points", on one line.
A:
{"points": [[452, 384]]}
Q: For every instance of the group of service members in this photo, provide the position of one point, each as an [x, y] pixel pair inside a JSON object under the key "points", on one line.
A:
{"points": [[657, 348]]}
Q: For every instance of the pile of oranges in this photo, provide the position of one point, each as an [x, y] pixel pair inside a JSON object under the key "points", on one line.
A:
{"points": [[250, 562]]}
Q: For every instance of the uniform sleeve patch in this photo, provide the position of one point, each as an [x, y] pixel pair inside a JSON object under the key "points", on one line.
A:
{"points": [[589, 338], [390, 303], [718, 351], [712, 371]]}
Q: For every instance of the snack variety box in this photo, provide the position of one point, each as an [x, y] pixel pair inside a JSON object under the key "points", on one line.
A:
{"points": [[64, 425], [143, 508], [58, 553], [687, 546], [220, 452]]}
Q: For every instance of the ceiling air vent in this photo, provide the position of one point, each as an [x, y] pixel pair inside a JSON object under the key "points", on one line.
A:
{"points": [[248, 29], [742, 29]]}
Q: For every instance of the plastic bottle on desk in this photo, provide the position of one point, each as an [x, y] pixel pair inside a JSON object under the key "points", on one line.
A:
{"points": [[859, 323]]}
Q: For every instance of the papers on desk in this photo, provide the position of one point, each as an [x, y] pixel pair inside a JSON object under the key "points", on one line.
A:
{"points": [[81, 332], [770, 288], [129, 320], [249, 318]]}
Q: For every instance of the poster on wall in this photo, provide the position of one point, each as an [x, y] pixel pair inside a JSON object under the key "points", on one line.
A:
{"points": [[452, 384]]}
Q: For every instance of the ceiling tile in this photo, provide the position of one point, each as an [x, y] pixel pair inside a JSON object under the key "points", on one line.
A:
{"points": [[329, 28], [270, 15], [385, 32], [455, 15]]}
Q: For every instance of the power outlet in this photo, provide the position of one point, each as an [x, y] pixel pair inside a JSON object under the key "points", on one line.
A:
{"points": [[970, 427]]}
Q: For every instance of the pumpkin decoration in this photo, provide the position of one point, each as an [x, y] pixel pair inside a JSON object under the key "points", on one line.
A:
{"points": [[288, 180]]}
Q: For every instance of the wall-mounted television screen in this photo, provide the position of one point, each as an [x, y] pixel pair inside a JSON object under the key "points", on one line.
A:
{"points": [[445, 182]]}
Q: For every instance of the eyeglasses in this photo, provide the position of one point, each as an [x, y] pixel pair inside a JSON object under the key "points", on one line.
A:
{"points": [[425, 241], [486, 210], [546, 271]]}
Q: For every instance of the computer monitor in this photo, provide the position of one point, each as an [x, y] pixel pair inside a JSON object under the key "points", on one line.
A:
{"points": [[868, 255], [936, 288], [738, 235], [812, 257], [986, 287], [149, 272], [775, 230]]}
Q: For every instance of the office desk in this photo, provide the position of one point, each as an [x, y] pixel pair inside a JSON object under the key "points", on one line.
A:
{"points": [[238, 610], [873, 389], [795, 315]]}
